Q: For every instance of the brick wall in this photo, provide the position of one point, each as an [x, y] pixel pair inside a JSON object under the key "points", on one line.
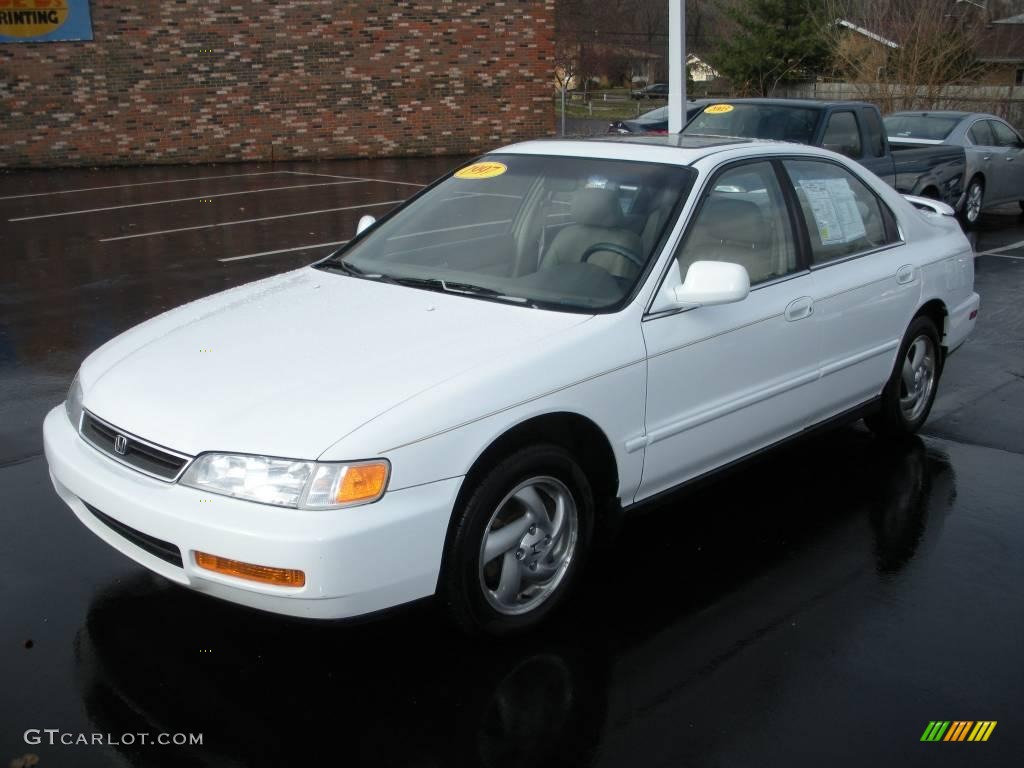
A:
{"points": [[224, 80]]}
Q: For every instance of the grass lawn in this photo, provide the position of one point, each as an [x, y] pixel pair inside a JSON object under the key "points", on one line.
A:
{"points": [[612, 110]]}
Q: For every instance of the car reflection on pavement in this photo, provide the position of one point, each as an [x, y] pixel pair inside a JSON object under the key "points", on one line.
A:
{"points": [[699, 645]]}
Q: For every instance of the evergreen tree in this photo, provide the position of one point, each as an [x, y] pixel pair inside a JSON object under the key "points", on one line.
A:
{"points": [[774, 41]]}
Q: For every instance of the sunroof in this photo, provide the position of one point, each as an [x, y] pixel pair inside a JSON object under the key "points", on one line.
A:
{"points": [[673, 140]]}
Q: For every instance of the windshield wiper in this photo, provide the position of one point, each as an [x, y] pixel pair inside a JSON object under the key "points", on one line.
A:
{"points": [[428, 283], [453, 286], [350, 269]]}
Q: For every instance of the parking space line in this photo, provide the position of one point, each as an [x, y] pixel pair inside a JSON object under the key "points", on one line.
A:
{"points": [[140, 184], [357, 178], [182, 200], [249, 221], [999, 251], [283, 250], [1000, 256]]}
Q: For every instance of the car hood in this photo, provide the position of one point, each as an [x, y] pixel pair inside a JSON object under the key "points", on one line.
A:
{"points": [[289, 365]]}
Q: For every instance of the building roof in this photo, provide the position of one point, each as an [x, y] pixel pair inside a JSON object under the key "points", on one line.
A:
{"points": [[867, 33], [1002, 44]]}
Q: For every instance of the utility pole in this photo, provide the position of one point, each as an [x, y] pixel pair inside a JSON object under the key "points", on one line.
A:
{"points": [[676, 65]]}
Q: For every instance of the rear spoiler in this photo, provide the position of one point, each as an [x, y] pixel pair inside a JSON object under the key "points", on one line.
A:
{"points": [[929, 206]]}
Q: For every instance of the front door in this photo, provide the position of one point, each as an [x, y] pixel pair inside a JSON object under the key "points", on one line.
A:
{"points": [[726, 380]]}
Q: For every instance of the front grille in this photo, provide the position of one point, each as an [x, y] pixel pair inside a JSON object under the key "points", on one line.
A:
{"points": [[138, 454], [156, 547]]}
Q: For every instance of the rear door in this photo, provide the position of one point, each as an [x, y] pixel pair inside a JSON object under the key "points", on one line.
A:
{"points": [[980, 151], [864, 287], [1008, 175]]}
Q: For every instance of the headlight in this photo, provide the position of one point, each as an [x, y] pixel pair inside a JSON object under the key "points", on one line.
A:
{"points": [[73, 403], [288, 483]]}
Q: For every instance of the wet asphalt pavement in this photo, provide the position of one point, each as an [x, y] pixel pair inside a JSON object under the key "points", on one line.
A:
{"points": [[818, 608]]}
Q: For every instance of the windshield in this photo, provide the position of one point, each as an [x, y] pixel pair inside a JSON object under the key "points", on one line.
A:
{"points": [[755, 121], [556, 232], [927, 127]]}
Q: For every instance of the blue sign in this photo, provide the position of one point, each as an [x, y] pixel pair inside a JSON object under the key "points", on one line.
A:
{"points": [[44, 21]]}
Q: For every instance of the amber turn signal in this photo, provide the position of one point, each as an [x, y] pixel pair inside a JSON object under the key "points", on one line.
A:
{"points": [[362, 482], [282, 577]]}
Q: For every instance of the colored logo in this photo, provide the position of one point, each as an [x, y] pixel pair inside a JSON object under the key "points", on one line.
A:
{"points": [[719, 109], [31, 18], [486, 170], [958, 730]]}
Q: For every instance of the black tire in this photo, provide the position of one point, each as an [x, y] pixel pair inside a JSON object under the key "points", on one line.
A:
{"points": [[461, 588], [1021, 204], [891, 420], [968, 214]]}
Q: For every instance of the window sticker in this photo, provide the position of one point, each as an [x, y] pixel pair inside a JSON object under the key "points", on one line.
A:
{"points": [[719, 109], [835, 210], [487, 170]]}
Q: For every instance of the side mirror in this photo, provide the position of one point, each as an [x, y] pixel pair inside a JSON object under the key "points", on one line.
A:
{"points": [[365, 222], [712, 282]]}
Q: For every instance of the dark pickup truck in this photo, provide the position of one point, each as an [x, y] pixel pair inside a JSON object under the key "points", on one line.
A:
{"points": [[851, 128]]}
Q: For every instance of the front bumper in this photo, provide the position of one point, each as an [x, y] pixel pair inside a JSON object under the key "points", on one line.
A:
{"points": [[356, 560]]}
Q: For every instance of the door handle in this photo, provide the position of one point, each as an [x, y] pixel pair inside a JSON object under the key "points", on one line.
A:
{"points": [[800, 308], [905, 274], [1009, 159], [986, 158]]}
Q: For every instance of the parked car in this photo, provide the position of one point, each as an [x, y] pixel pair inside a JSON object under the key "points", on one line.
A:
{"points": [[851, 128], [653, 91], [655, 121], [995, 163], [550, 336]]}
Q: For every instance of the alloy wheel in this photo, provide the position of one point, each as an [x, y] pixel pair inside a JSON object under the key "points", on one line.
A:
{"points": [[917, 377], [974, 200], [528, 545]]}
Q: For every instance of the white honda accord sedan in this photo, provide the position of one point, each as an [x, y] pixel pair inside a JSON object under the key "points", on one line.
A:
{"points": [[455, 401]]}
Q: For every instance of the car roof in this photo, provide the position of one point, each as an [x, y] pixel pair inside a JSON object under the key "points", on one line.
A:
{"points": [[937, 113], [801, 103], [671, 149]]}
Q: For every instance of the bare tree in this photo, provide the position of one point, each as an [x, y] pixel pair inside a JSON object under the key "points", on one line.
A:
{"points": [[903, 55]]}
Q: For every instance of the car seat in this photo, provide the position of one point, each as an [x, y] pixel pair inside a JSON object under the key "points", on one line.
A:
{"points": [[597, 218], [735, 231]]}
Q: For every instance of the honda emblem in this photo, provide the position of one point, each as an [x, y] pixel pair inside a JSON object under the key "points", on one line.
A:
{"points": [[120, 445]]}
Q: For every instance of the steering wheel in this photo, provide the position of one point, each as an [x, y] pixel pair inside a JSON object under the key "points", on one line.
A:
{"points": [[621, 250]]}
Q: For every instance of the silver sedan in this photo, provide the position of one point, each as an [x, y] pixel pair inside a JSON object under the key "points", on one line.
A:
{"points": [[995, 153]]}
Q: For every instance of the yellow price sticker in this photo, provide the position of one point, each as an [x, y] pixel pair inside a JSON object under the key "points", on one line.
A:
{"points": [[487, 170], [719, 109]]}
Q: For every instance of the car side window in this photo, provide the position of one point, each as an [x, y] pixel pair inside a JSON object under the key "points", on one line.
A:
{"points": [[743, 219], [875, 132], [843, 216], [842, 136], [1005, 135], [981, 134]]}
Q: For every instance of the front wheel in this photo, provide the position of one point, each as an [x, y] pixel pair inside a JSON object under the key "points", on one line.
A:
{"points": [[518, 542], [908, 396]]}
